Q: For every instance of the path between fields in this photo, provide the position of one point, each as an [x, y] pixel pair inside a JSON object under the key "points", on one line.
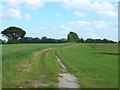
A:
{"points": [[66, 80]]}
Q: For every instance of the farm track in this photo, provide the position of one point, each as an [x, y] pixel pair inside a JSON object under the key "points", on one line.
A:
{"points": [[66, 80], [35, 83]]}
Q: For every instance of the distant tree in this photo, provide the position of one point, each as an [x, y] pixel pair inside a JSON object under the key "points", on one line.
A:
{"points": [[98, 41], [36, 40], [73, 37], [26, 40], [110, 41], [13, 34], [4, 41], [106, 40], [63, 40], [89, 40], [44, 39], [81, 40], [0, 41]]}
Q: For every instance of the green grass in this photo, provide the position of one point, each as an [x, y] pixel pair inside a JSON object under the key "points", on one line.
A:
{"points": [[46, 65], [14, 57], [93, 64], [50, 86]]}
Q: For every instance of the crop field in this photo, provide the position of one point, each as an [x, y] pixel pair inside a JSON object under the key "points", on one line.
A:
{"points": [[31, 65]]}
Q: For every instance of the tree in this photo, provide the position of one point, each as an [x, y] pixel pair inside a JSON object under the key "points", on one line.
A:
{"points": [[89, 40], [73, 37], [2, 41], [44, 39], [105, 40], [13, 34], [81, 40], [63, 40], [36, 40]]}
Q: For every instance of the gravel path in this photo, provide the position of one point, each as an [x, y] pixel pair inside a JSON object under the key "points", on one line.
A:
{"points": [[67, 80]]}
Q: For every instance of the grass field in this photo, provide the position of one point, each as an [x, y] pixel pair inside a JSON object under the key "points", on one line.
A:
{"points": [[95, 65], [28, 65], [15, 59]]}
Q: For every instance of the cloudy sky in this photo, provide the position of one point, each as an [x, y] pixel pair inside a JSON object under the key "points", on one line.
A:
{"points": [[56, 18]]}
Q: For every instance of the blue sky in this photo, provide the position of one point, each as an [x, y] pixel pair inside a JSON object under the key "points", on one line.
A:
{"points": [[89, 19]]}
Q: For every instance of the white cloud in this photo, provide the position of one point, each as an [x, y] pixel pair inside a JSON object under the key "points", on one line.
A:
{"points": [[1, 10], [84, 29], [77, 4], [93, 35], [32, 4], [27, 16], [94, 29], [79, 14], [62, 26], [58, 15], [12, 14], [104, 9]]}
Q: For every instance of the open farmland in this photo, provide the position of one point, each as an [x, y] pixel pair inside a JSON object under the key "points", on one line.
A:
{"points": [[16, 58], [32, 65]]}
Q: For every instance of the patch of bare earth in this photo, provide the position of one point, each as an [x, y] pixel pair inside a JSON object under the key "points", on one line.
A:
{"points": [[35, 83]]}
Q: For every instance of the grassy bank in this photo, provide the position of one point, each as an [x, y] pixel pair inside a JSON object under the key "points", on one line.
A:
{"points": [[95, 65]]}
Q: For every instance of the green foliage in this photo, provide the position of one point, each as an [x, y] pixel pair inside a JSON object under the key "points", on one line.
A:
{"points": [[50, 86], [13, 33], [90, 40], [43, 40], [81, 40], [2, 41], [73, 37]]}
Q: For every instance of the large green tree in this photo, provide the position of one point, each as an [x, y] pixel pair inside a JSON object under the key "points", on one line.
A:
{"points": [[73, 37], [13, 33]]}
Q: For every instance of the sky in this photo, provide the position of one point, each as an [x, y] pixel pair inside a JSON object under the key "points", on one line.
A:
{"points": [[56, 18]]}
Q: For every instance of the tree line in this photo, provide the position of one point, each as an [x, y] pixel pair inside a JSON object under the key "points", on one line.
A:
{"points": [[73, 37], [17, 35]]}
